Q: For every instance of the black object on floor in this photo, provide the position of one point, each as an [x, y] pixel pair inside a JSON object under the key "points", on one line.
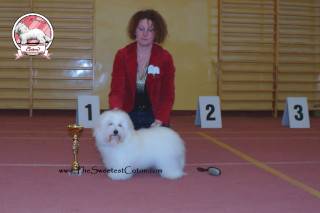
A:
{"points": [[214, 171]]}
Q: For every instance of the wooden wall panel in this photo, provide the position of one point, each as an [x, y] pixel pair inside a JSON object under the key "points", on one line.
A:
{"points": [[14, 75], [246, 54], [38, 83], [69, 73], [269, 50], [299, 61]]}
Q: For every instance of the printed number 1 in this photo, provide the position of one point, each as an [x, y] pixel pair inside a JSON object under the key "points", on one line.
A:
{"points": [[89, 107], [299, 116], [210, 114]]}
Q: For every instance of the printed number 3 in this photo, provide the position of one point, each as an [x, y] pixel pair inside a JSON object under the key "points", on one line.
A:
{"points": [[89, 107], [210, 116], [299, 116]]}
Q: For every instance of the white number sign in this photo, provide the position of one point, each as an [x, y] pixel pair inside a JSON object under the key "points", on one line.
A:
{"points": [[296, 113], [208, 113], [88, 110]]}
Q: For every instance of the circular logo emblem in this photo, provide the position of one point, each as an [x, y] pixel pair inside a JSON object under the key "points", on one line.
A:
{"points": [[32, 34]]}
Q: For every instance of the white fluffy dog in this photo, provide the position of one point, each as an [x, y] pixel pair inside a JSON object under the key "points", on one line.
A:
{"points": [[25, 34], [125, 151]]}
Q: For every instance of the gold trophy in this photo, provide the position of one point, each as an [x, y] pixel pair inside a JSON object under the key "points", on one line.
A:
{"points": [[75, 132]]}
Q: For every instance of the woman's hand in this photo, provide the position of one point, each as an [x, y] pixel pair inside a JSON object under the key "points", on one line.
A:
{"points": [[156, 123]]}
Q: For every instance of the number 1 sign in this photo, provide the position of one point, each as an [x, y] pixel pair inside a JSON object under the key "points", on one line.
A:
{"points": [[88, 110], [208, 113], [296, 113]]}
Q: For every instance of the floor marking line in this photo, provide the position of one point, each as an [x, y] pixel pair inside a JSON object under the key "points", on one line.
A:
{"points": [[42, 165], [262, 165], [187, 164]]}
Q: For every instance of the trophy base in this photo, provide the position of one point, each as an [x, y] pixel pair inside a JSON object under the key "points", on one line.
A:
{"points": [[76, 172]]}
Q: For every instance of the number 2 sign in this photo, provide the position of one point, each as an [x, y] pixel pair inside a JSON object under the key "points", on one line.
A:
{"points": [[88, 110], [208, 113], [296, 113]]}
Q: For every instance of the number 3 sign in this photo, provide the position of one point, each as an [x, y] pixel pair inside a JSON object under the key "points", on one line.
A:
{"points": [[88, 110], [296, 113], [208, 113]]}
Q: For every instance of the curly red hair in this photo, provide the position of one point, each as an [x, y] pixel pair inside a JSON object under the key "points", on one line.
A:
{"points": [[159, 24]]}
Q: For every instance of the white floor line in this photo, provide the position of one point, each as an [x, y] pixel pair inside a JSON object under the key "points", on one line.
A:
{"points": [[188, 164], [43, 165], [247, 163]]}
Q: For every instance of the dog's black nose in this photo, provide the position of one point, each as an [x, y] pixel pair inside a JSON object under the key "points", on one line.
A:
{"points": [[115, 132]]}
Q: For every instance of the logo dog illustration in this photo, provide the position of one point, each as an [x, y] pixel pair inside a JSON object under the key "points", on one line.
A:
{"points": [[26, 34], [32, 34]]}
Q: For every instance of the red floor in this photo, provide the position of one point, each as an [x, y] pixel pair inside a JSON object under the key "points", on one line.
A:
{"points": [[265, 168]]}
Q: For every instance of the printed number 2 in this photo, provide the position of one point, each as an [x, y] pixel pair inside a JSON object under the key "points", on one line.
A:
{"points": [[89, 107], [210, 113], [299, 116]]}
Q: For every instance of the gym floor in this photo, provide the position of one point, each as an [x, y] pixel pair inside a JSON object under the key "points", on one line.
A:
{"points": [[265, 168]]}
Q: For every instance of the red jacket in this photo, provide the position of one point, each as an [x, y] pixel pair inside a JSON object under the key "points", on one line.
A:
{"points": [[160, 87]]}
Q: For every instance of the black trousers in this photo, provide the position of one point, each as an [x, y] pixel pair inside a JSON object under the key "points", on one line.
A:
{"points": [[141, 119]]}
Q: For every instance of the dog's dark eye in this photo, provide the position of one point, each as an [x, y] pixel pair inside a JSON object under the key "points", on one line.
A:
{"points": [[119, 125], [109, 124]]}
